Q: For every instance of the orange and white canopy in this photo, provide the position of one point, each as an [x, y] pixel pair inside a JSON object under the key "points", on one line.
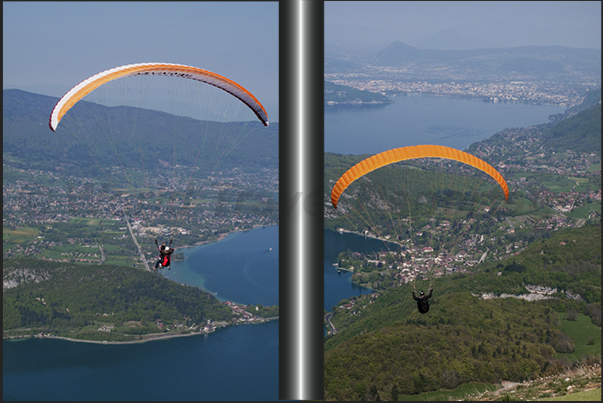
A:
{"points": [[164, 69]]}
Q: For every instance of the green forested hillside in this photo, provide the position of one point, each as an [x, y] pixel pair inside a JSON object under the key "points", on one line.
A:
{"points": [[569, 260], [580, 133], [591, 99], [463, 339], [64, 299], [341, 94], [386, 346]]}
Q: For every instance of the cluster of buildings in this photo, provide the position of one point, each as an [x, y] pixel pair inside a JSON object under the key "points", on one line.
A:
{"points": [[242, 316], [225, 207], [424, 264], [565, 202], [359, 302], [522, 150], [513, 91]]}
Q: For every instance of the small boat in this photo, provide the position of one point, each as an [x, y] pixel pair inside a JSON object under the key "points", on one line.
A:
{"points": [[270, 249]]}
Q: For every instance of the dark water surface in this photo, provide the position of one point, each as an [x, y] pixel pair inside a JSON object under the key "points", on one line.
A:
{"points": [[235, 363]]}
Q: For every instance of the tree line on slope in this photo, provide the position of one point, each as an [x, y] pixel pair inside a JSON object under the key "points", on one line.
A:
{"points": [[463, 340]]}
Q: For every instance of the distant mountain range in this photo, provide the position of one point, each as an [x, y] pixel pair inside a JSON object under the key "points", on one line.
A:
{"points": [[490, 32], [31, 144], [556, 63], [526, 59]]}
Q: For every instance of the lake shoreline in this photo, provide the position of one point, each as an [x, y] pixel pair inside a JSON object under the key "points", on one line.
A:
{"points": [[146, 338], [162, 336], [342, 231], [223, 235], [152, 337]]}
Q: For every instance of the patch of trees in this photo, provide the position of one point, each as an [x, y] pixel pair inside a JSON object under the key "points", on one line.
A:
{"points": [[263, 311], [342, 94], [463, 340], [70, 296], [580, 133]]}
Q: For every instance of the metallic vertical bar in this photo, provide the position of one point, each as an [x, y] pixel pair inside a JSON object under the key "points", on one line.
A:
{"points": [[301, 145]]}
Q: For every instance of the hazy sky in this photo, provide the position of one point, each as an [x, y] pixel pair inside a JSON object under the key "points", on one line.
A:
{"points": [[432, 24], [49, 47]]}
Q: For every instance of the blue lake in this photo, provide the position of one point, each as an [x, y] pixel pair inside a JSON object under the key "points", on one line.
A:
{"points": [[424, 119], [240, 268]]}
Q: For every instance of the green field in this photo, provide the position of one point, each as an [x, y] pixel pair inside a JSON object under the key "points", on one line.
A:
{"points": [[523, 174], [586, 396], [582, 330], [582, 211], [585, 185], [95, 221], [579, 180], [71, 252], [521, 206], [559, 184], [117, 243], [85, 221], [12, 175], [130, 261], [594, 168], [20, 235]]}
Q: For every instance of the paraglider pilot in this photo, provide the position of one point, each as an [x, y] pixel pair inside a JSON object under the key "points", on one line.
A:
{"points": [[422, 303], [164, 255]]}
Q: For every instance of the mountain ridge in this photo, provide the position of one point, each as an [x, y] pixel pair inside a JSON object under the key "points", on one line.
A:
{"points": [[523, 59], [26, 136]]}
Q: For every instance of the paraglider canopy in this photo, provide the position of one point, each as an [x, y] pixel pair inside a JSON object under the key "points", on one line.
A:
{"points": [[165, 69], [412, 152]]}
